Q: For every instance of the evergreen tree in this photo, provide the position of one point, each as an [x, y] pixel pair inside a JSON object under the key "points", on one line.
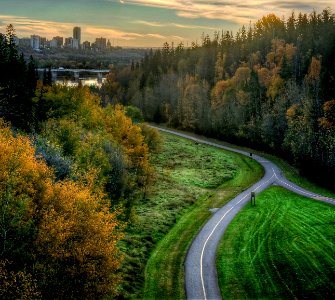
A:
{"points": [[17, 84]]}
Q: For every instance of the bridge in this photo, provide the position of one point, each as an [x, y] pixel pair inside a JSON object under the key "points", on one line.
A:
{"points": [[99, 73]]}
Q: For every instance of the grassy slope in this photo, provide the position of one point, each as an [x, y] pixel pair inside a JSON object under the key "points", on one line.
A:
{"points": [[289, 171], [190, 179], [282, 248]]}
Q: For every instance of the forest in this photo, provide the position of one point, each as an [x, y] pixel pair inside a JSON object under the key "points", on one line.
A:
{"points": [[270, 86], [75, 160]]}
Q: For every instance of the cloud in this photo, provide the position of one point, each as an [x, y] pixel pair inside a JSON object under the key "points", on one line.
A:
{"points": [[176, 37], [234, 11], [176, 25], [152, 24], [25, 27], [156, 35]]}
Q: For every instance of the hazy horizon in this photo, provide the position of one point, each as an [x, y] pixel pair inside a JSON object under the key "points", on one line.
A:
{"points": [[142, 23]]}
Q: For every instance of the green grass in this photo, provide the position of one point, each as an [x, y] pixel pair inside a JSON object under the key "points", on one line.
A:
{"points": [[191, 178], [283, 248], [290, 172]]}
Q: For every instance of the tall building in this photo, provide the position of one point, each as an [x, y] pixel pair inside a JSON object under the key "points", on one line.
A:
{"points": [[75, 44], [76, 37], [35, 42]]}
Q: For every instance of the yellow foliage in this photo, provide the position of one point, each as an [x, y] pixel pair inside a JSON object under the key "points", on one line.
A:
{"points": [[77, 235], [267, 24], [128, 135], [90, 113], [276, 87], [19, 169]]}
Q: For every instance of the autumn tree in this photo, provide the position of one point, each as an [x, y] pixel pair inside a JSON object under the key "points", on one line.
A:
{"points": [[54, 236], [253, 77]]}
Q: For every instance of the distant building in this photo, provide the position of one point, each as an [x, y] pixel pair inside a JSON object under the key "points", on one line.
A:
{"points": [[86, 45], [35, 42], [68, 42], [109, 45], [100, 43], [53, 43], [76, 37], [57, 42], [24, 42], [43, 42], [75, 44]]}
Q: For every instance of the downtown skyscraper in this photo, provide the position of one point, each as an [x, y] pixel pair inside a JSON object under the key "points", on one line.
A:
{"points": [[76, 37]]}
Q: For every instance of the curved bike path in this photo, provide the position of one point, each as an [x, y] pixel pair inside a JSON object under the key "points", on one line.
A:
{"points": [[200, 265]]}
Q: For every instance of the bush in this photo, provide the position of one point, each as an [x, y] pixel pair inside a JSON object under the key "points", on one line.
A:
{"points": [[151, 137], [53, 157]]}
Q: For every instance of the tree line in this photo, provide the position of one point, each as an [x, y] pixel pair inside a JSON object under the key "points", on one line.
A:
{"points": [[269, 86]]}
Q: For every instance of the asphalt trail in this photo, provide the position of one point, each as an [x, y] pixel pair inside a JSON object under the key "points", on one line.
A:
{"points": [[200, 265]]}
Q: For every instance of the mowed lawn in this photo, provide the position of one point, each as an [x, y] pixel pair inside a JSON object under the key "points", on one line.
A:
{"points": [[283, 248]]}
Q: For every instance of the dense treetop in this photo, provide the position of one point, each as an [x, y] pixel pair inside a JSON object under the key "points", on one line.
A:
{"points": [[271, 86]]}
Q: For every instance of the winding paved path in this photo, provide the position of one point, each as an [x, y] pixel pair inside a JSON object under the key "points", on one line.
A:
{"points": [[200, 265]]}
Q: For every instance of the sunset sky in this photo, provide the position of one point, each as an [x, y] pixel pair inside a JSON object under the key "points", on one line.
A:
{"points": [[142, 23]]}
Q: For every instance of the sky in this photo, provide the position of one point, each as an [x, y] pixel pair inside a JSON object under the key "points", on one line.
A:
{"points": [[143, 23]]}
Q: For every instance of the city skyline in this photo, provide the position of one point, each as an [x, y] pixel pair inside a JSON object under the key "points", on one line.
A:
{"points": [[142, 23]]}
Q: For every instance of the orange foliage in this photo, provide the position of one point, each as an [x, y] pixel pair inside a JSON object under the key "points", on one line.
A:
{"points": [[292, 111], [264, 78], [218, 93], [77, 227], [73, 234], [314, 70], [275, 56], [328, 121], [290, 51]]}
